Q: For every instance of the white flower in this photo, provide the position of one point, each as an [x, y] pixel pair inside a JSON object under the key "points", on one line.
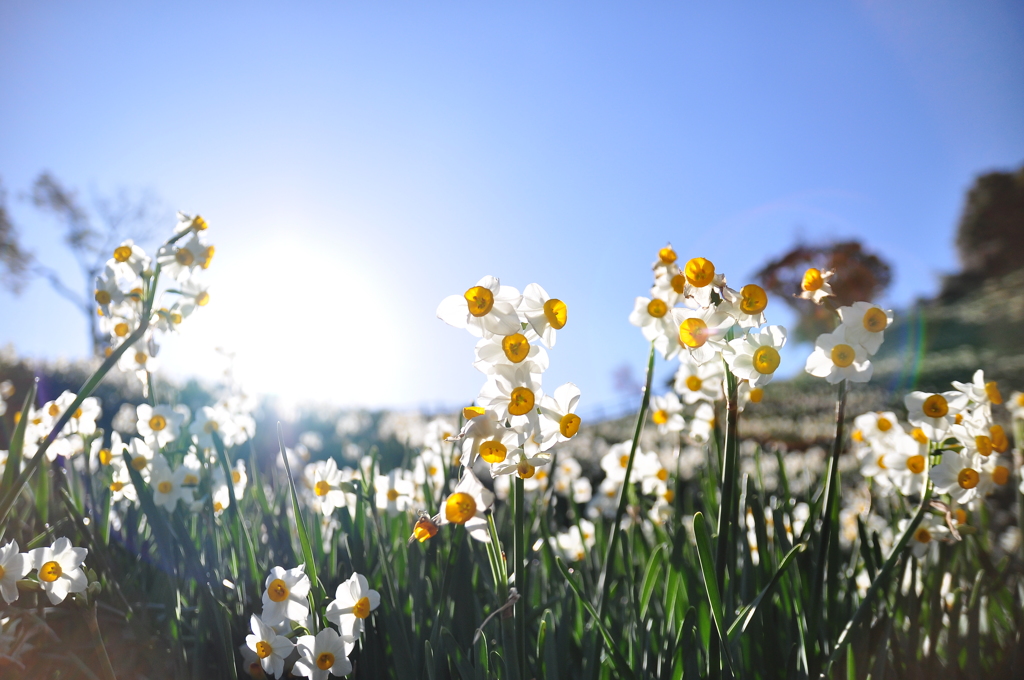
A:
{"points": [[352, 604], [208, 421], [700, 332], [993, 475], [544, 313], [980, 393], [180, 259], [186, 222], [428, 470], [171, 486], [934, 413], [513, 392], [746, 306], [325, 482], [121, 486], [815, 286], [486, 309], [395, 491], [656, 322], [582, 491], [159, 425], [755, 357], [327, 652], [865, 324], [907, 463], [615, 461], [1016, 405], [141, 456], [836, 358], [929, 532], [667, 413], [559, 421], [466, 505], [508, 350], [481, 426], [437, 433], [958, 475], [873, 426], [82, 421], [59, 569], [565, 473], [13, 566], [521, 463], [703, 422], [701, 280], [698, 382], [271, 648], [128, 261], [285, 596]]}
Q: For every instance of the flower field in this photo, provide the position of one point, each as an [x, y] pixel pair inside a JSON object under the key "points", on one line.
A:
{"points": [[512, 539]]}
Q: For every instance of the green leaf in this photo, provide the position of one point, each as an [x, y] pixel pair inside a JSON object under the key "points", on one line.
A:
{"points": [[17, 446], [746, 615], [236, 517], [651, 577], [707, 567], [316, 591]]}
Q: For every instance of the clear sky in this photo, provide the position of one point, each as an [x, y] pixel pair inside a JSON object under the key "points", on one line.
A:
{"points": [[360, 161]]}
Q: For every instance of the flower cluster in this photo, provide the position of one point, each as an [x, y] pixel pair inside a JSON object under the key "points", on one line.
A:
{"points": [[286, 609], [843, 353], [513, 425]]}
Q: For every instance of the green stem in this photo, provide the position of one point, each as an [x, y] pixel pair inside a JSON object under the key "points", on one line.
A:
{"points": [[726, 515], [818, 580], [519, 547]]}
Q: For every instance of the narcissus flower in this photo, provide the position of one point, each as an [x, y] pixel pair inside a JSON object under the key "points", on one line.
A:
{"points": [[13, 566], [1016, 405], [559, 421], [654, 319], [981, 393], [755, 356], [141, 455], [509, 350], [326, 653], [208, 421], [934, 413], [698, 382], [466, 506], [545, 314], [128, 260], [958, 475], [171, 486], [836, 358], [865, 324], [700, 332], [746, 305], [352, 604], [907, 463], [927, 536], [179, 260], [667, 413], [395, 491], [486, 309], [285, 596], [815, 286], [701, 280], [513, 392], [270, 648], [59, 569], [159, 425]]}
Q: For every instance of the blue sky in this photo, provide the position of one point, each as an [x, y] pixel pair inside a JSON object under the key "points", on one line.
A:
{"points": [[358, 162]]}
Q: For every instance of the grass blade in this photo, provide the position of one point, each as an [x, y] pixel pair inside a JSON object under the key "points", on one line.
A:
{"points": [[707, 567]]}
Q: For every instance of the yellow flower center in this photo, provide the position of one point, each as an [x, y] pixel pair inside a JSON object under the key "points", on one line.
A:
{"points": [[1000, 475], [1020, 399], [693, 333], [669, 495], [77, 413], [993, 393], [480, 300], [164, 487], [875, 320], [116, 486], [922, 535], [753, 299], [105, 456], [843, 355], [50, 572], [556, 313], [326, 660], [516, 347], [881, 463], [857, 436], [122, 253], [569, 425], [236, 476], [392, 495], [184, 257], [278, 591], [812, 280], [102, 297], [459, 508], [521, 401], [361, 609], [210, 426], [525, 470], [678, 283], [961, 516], [999, 441], [203, 299], [139, 463], [959, 418], [919, 436], [667, 255], [471, 412], [424, 529], [321, 488], [984, 444], [207, 257], [190, 480], [140, 358], [935, 406], [756, 395], [884, 425], [263, 649], [916, 464], [623, 461], [693, 383], [54, 410], [699, 272], [766, 360], [493, 451], [657, 308], [121, 329], [967, 478], [660, 417], [662, 474], [157, 423], [199, 224]]}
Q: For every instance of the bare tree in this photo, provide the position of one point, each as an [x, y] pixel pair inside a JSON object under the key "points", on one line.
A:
{"points": [[91, 236], [15, 262]]}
